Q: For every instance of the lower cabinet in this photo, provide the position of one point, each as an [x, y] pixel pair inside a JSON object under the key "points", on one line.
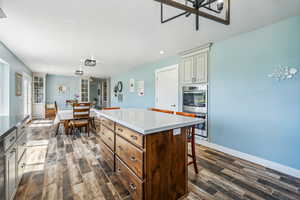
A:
{"points": [[11, 172], [21, 167], [15, 145], [150, 167], [131, 182], [107, 155]]}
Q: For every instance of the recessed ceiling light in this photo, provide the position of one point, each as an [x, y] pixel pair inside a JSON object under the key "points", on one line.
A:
{"points": [[162, 52]]}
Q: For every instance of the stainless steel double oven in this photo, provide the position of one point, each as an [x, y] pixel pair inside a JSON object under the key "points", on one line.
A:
{"points": [[195, 100]]}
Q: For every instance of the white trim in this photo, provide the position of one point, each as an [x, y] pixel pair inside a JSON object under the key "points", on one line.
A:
{"points": [[257, 160], [176, 66], [3, 61], [197, 50], [5, 83]]}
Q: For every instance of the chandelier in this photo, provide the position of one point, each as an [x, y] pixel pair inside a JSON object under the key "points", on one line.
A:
{"points": [[216, 10]]}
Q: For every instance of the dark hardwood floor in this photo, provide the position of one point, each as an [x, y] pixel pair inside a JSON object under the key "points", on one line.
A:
{"points": [[66, 168]]}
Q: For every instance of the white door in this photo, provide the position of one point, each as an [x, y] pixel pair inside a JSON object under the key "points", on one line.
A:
{"points": [[187, 65], [166, 88]]}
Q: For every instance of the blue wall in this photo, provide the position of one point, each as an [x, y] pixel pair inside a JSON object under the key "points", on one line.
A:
{"points": [[145, 73], [54, 81], [249, 112], [16, 105]]}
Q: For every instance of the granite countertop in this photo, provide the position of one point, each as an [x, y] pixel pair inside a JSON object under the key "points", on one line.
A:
{"points": [[146, 121], [9, 123]]}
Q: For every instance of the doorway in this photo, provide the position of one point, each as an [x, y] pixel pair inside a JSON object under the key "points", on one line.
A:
{"points": [[166, 88]]}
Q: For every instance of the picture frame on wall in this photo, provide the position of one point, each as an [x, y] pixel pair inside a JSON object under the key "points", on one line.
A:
{"points": [[19, 81]]}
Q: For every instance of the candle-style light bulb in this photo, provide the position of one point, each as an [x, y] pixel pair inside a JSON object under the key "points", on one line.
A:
{"points": [[220, 5]]}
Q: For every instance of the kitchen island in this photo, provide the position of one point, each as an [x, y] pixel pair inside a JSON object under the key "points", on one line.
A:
{"points": [[147, 150]]}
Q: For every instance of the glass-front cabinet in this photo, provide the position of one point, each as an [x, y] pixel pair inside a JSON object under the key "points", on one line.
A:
{"points": [[84, 90], [39, 90], [38, 87]]}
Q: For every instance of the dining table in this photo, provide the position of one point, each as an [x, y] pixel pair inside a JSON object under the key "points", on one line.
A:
{"points": [[65, 115]]}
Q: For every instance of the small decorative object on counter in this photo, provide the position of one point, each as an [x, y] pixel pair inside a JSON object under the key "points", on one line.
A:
{"points": [[283, 73]]}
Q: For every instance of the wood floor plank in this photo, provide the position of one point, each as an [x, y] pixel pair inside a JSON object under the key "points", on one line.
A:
{"points": [[71, 168]]}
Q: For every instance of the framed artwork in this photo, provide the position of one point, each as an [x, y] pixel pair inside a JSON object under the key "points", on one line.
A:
{"points": [[19, 81]]}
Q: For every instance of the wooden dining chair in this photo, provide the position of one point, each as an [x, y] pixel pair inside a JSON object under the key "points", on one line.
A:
{"points": [[81, 117], [191, 140], [112, 108], [161, 110]]}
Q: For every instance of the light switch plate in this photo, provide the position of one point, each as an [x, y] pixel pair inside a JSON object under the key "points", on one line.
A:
{"points": [[176, 131]]}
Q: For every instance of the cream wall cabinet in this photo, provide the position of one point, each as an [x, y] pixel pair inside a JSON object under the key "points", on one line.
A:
{"points": [[195, 66]]}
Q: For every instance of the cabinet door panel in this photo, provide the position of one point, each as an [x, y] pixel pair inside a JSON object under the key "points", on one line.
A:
{"points": [[11, 170], [200, 68], [187, 69]]}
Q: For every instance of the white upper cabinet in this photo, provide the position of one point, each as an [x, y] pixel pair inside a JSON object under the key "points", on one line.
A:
{"points": [[194, 66]]}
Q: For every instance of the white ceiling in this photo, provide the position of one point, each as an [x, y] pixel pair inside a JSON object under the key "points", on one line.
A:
{"points": [[53, 36]]}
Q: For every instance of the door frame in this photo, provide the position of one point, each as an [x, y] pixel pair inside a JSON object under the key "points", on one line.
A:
{"points": [[175, 66], [28, 78], [5, 100]]}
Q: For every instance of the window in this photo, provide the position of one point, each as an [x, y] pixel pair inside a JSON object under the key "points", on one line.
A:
{"points": [[4, 88]]}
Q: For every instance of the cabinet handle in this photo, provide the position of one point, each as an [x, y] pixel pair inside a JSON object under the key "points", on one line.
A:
{"points": [[119, 170], [134, 137], [11, 139], [119, 129], [13, 151], [132, 187], [24, 144], [23, 165], [110, 138], [133, 159], [120, 148]]}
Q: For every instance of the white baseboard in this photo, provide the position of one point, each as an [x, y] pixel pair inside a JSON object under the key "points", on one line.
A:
{"points": [[260, 161]]}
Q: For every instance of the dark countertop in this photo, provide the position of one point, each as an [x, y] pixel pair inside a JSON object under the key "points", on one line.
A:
{"points": [[9, 123]]}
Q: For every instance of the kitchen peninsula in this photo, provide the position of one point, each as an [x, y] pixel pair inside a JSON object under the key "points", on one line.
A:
{"points": [[147, 150]]}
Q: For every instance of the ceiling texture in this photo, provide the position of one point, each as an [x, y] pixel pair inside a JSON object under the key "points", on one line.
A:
{"points": [[53, 36]]}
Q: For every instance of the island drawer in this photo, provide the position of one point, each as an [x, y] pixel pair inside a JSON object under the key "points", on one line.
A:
{"points": [[21, 130], [131, 155], [131, 182], [10, 139], [108, 137], [108, 123], [107, 155], [130, 135]]}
